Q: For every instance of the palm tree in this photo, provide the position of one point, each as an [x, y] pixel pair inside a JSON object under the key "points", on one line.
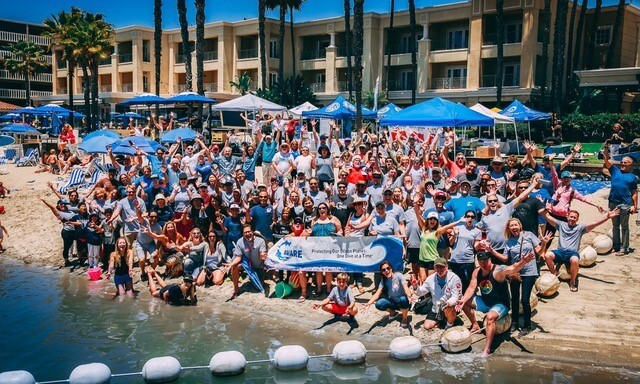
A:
{"points": [[414, 56], [186, 45], [262, 5], [579, 32], [242, 83], [348, 45], [500, 46], [294, 5], [559, 41], [614, 33], [199, 46], [58, 32], [157, 40], [569, 69], [282, 6], [26, 58], [546, 34], [592, 37], [389, 35], [358, 29]]}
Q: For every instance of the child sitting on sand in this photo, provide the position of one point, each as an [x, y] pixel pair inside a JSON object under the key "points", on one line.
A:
{"points": [[3, 231], [3, 190], [340, 301]]}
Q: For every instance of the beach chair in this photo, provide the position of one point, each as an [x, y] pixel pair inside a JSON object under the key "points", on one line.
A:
{"points": [[76, 178], [9, 155], [31, 159], [95, 176]]}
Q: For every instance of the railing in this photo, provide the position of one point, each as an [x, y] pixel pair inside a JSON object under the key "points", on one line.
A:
{"points": [[313, 54], [318, 87], [210, 56], [105, 61], [343, 86], [40, 77], [105, 88], [62, 90], [126, 58], [181, 59], [21, 93], [509, 38], [8, 54], [127, 87], [397, 85], [398, 50], [15, 37], [507, 81], [182, 88], [210, 87], [342, 52], [449, 83], [448, 45], [248, 53]]}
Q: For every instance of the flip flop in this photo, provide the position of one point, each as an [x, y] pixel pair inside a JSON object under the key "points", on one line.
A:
{"points": [[302, 299], [404, 325], [573, 288]]}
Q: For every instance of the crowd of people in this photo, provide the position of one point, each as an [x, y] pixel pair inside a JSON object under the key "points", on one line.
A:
{"points": [[475, 238]]}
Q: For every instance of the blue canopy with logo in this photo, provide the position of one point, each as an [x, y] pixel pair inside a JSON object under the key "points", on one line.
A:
{"points": [[521, 113], [388, 110], [437, 112], [339, 109]]}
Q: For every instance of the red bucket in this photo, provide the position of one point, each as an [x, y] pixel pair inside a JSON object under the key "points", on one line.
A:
{"points": [[94, 274]]}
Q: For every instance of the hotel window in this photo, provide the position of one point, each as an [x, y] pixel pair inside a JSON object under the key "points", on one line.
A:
{"points": [[273, 79], [458, 39], [603, 35], [273, 48], [511, 75], [513, 33], [146, 57]]}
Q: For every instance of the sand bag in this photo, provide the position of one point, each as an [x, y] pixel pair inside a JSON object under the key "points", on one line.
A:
{"points": [[563, 274], [405, 348], [456, 339], [603, 244], [533, 302], [547, 284], [588, 257]]}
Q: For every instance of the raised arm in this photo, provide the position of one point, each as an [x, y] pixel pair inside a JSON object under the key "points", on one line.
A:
{"points": [[568, 159], [601, 220], [607, 155], [501, 273]]}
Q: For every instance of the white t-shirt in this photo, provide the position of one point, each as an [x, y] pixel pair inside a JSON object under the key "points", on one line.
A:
{"points": [[283, 161], [303, 164]]}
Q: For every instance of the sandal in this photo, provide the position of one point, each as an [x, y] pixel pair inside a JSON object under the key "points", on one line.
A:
{"points": [[404, 325], [573, 288], [302, 298], [620, 253]]}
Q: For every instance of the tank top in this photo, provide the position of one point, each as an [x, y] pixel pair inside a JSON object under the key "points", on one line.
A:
{"points": [[123, 269], [353, 220], [323, 229], [492, 291], [428, 246]]}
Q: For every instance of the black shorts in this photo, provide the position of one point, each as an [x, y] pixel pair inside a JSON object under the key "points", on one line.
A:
{"points": [[433, 316], [428, 265], [413, 255]]}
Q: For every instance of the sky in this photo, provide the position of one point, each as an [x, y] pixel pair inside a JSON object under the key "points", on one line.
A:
{"points": [[122, 13]]}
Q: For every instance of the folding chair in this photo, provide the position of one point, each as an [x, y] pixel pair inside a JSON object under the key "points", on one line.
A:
{"points": [[76, 178], [95, 176], [30, 159], [9, 154]]}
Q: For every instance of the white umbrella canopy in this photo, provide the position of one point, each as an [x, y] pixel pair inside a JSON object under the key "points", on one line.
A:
{"points": [[306, 106], [498, 119], [248, 102]]}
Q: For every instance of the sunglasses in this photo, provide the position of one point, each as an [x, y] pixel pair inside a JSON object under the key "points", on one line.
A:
{"points": [[385, 269], [492, 201], [470, 217]]}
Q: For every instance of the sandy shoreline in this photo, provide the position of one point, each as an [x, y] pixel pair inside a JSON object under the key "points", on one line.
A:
{"points": [[599, 325]]}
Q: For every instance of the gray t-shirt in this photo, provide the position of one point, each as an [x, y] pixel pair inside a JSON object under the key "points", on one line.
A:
{"points": [[394, 285], [462, 250], [514, 254], [145, 238], [342, 298], [375, 194], [251, 250], [128, 214], [494, 224], [412, 229], [387, 226], [569, 237]]}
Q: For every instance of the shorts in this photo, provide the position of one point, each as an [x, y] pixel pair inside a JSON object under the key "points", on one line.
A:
{"points": [[428, 265], [121, 279], [413, 255], [433, 317], [339, 309], [563, 256], [143, 249], [499, 308]]}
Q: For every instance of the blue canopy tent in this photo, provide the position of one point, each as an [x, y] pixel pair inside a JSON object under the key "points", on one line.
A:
{"points": [[190, 98], [340, 109], [523, 114], [437, 112], [54, 111], [185, 134], [388, 110], [144, 99]]}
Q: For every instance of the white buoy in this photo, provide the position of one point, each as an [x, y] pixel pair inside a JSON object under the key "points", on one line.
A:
{"points": [[503, 324], [349, 352], [588, 257], [456, 339], [533, 302], [17, 377], [227, 363], [163, 369], [290, 358], [94, 373], [563, 274], [603, 244], [405, 348], [547, 284]]}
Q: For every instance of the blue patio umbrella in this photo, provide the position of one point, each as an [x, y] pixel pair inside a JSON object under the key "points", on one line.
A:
{"points": [[96, 144], [144, 99], [53, 108], [189, 98], [124, 147], [102, 132], [10, 116], [25, 110], [19, 129], [127, 115], [155, 145], [185, 134]]}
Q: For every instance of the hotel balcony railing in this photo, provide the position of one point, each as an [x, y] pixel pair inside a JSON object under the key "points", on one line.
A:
{"points": [[397, 85], [62, 90], [210, 87], [343, 86], [39, 77], [62, 64], [449, 83], [491, 39], [21, 94], [399, 50], [181, 59], [444, 45], [105, 61], [248, 53], [318, 87], [210, 56], [127, 87], [313, 54], [105, 88], [15, 37], [8, 54], [126, 58], [489, 81]]}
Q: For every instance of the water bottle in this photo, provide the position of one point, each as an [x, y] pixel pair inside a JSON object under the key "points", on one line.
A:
{"points": [[544, 182], [439, 305]]}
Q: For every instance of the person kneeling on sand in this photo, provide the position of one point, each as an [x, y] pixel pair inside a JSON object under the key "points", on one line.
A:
{"points": [[250, 253], [445, 288], [173, 294], [340, 301], [494, 294], [569, 237]]}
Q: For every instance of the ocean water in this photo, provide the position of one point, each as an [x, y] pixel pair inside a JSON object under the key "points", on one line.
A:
{"points": [[54, 321]]}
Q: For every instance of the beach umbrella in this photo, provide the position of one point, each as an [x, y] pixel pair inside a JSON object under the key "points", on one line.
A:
{"points": [[124, 147], [189, 98], [185, 134], [26, 110], [10, 116], [97, 144], [144, 99], [103, 132], [6, 140], [155, 145], [20, 129], [127, 115], [53, 108]]}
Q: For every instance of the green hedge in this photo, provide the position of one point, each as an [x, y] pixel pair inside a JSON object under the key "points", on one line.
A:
{"points": [[597, 128]]}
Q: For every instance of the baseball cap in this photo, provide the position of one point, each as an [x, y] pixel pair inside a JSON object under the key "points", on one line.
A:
{"points": [[482, 255], [323, 136], [268, 137], [215, 146], [182, 175], [188, 279], [441, 194], [154, 176], [440, 261], [463, 182], [497, 159], [234, 206], [565, 174], [432, 215], [63, 201], [379, 203], [297, 220], [387, 190], [436, 169]]}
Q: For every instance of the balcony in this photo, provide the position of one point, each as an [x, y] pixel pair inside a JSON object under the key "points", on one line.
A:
{"points": [[21, 94], [508, 38], [248, 53], [105, 61], [449, 45], [318, 87], [38, 77], [15, 37], [62, 64], [210, 56], [127, 87], [210, 87], [449, 83], [313, 54], [106, 88], [397, 85], [126, 58], [489, 81], [63, 90], [181, 59], [8, 54], [398, 50]]}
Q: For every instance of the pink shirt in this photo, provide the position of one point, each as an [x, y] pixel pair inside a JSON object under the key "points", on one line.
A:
{"points": [[564, 196]]}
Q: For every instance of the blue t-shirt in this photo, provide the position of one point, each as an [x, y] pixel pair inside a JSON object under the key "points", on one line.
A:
{"points": [[234, 231], [463, 204], [622, 186], [546, 175], [543, 195], [268, 150], [204, 170], [262, 217]]}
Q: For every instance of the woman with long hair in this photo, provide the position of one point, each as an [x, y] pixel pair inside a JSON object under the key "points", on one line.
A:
{"points": [[215, 261], [197, 247], [356, 225], [121, 267], [324, 225], [395, 286], [431, 231], [324, 165]]}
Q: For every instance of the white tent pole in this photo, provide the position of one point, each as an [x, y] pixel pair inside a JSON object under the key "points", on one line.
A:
{"points": [[515, 129], [529, 123], [494, 130]]}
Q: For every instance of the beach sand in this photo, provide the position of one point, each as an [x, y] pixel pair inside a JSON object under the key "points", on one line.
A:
{"points": [[598, 325]]}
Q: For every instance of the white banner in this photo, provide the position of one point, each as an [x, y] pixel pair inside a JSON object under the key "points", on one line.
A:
{"points": [[335, 254]]}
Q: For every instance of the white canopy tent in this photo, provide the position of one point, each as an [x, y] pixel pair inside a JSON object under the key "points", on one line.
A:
{"points": [[306, 106], [498, 119], [248, 102]]}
